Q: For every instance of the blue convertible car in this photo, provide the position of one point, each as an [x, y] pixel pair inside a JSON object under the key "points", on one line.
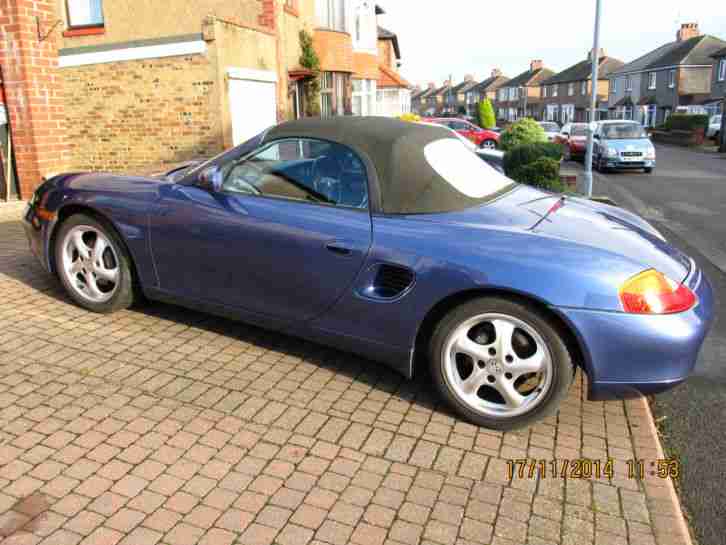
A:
{"points": [[394, 241]]}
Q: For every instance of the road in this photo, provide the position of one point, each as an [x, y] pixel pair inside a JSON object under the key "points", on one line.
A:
{"points": [[685, 198]]}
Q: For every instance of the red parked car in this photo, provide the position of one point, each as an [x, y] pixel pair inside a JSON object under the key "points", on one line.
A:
{"points": [[574, 137], [483, 138]]}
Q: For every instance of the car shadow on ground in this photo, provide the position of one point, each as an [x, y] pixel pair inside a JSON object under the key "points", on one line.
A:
{"points": [[20, 265]]}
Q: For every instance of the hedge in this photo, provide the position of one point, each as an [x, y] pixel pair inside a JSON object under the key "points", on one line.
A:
{"points": [[543, 173], [686, 122], [529, 153]]}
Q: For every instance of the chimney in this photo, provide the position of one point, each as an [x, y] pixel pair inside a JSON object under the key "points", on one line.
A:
{"points": [[432, 85], [468, 78], [688, 31], [496, 73], [600, 54], [535, 65]]}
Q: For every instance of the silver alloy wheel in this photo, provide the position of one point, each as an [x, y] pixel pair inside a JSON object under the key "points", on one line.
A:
{"points": [[90, 264], [489, 144], [493, 378]]}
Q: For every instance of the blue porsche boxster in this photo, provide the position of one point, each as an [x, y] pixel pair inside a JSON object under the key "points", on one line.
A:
{"points": [[394, 241]]}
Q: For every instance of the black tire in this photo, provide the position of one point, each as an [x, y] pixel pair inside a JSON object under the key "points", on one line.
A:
{"points": [[562, 366], [492, 143], [124, 294], [648, 170]]}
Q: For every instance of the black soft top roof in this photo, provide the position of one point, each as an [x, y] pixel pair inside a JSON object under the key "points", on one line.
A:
{"points": [[406, 182]]}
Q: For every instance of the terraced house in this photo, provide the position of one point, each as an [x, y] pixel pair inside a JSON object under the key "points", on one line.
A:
{"points": [[484, 89], [122, 84], [715, 104], [520, 96], [566, 95], [676, 75]]}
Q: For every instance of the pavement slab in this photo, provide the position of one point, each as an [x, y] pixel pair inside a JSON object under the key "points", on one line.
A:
{"points": [[164, 425]]}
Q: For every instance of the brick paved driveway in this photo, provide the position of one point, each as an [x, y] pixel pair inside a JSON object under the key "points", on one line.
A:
{"points": [[162, 425]]}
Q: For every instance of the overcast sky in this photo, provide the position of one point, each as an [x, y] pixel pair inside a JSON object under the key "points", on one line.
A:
{"points": [[461, 37]]}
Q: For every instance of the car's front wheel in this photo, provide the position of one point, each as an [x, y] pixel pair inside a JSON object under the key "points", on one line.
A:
{"points": [[500, 364], [93, 265], [489, 144]]}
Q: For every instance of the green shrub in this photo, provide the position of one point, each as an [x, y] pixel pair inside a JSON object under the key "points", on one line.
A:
{"points": [[524, 131], [686, 122], [529, 153], [543, 173], [487, 119]]}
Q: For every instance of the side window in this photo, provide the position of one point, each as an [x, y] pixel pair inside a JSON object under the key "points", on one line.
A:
{"points": [[303, 170]]}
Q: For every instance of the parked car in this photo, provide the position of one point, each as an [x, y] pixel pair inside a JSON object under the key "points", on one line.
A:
{"points": [[481, 137], [551, 129], [394, 241], [573, 137], [621, 145], [714, 127]]}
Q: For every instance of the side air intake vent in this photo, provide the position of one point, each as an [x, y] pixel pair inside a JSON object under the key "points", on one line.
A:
{"points": [[392, 281]]}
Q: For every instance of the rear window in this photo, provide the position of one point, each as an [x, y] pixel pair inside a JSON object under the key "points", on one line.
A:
{"points": [[461, 168]]}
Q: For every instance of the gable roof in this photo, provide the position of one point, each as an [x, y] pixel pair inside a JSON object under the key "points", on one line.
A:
{"points": [[490, 82], [694, 51], [387, 78], [464, 86], [443, 90], [416, 94], [384, 34], [530, 77], [582, 71]]}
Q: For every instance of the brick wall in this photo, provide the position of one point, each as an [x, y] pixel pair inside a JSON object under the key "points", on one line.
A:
{"points": [[335, 50], [33, 89], [126, 115]]}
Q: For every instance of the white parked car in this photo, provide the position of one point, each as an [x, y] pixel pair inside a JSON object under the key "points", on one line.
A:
{"points": [[551, 129], [714, 127]]}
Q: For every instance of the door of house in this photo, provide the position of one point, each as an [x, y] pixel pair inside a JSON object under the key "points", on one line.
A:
{"points": [[8, 181], [252, 102]]}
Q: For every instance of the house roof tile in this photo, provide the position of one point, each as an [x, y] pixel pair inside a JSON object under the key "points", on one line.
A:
{"points": [[582, 71], [694, 51], [388, 78], [530, 77]]}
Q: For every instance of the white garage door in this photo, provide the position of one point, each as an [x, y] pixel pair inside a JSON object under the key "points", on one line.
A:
{"points": [[252, 102]]}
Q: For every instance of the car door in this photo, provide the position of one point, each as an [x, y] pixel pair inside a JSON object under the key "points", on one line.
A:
{"points": [[284, 237]]}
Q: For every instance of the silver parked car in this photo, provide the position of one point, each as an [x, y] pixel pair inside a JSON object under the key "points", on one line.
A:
{"points": [[622, 144], [714, 127]]}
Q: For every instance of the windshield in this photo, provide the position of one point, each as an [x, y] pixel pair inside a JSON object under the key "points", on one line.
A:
{"points": [[550, 127], [463, 170], [623, 131], [579, 130], [230, 155]]}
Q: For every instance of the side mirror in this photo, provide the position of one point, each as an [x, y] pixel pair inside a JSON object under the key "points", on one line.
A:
{"points": [[596, 137], [210, 179]]}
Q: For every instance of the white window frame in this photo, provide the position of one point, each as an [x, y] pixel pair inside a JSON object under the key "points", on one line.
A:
{"points": [[652, 80], [84, 13], [671, 79], [628, 83], [614, 86], [571, 89], [722, 70], [331, 14], [555, 90], [367, 94], [544, 91], [336, 93], [583, 88]]}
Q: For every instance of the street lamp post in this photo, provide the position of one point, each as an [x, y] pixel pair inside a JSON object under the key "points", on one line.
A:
{"points": [[593, 101]]}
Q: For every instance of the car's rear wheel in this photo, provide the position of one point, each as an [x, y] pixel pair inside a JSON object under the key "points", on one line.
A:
{"points": [[648, 170], [489, 144], [93, 265], [500, 364]]}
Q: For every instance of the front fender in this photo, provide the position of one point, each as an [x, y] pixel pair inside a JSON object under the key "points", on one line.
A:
{"points": [[125, 203]]}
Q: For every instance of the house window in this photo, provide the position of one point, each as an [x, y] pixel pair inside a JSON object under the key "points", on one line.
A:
{"points": [[84, 13], [722, 70], [554, 90], [583, 88], [614, 86], [570, 89], [628, 113], [331, 14], [364, 92], [544, 91], [652, 80], [332, 94], [628, 83]]}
